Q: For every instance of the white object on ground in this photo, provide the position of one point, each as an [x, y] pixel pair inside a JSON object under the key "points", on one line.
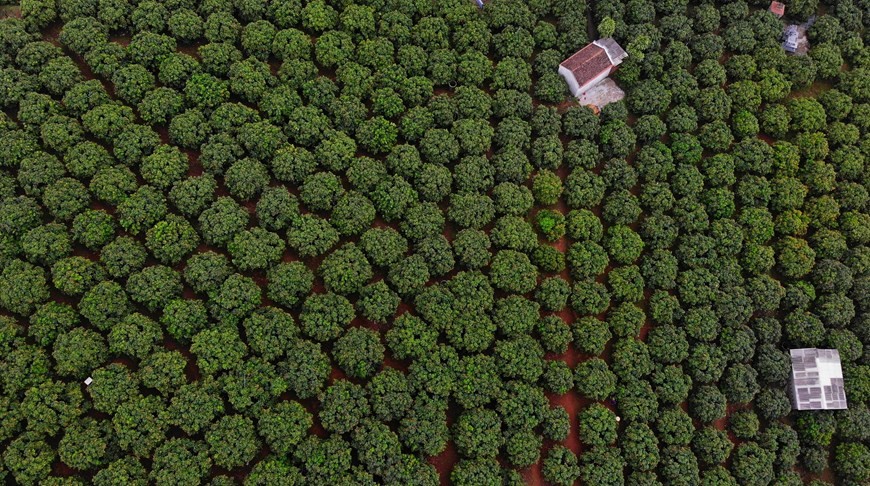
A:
{"points": [[602, 94]]}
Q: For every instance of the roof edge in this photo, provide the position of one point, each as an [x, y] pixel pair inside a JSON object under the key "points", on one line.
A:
{"points": [[581, 52], [614, 51]]}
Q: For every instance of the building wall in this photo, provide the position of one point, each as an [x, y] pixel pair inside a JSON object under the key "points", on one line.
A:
{"points": [[597, 79], [572, 82]]}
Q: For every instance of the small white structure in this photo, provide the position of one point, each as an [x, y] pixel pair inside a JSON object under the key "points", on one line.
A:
{"points": [[88, 381], [817, 380], [791, 37], [590, 65]]}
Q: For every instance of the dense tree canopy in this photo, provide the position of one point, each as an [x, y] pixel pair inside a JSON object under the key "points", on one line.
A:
{"points": [[322, 242]]}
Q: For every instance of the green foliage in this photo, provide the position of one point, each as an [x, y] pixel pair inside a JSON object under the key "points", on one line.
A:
{"points": [[389, 394], [288, 283], [135, 335], [753, 464], [284, 425], [345, 270], [51, 406], [270, 331], [597, 425], [218, 350], [28, 458], [469, 471], [343, 406], [560, 466], [306, 369], [140, 424], [255, 249], [591, 335], [377, 135], [113, 384], [323, 316], [410, 337], [129, 254], [180, 459], [586, 259], [205, 272], [194, 406], [674, 427], [237, 297], [512, 271], [163, 371], [678, 465], [477, 433], [171, 240], [640, 447], [221, 221], [84, 446], [232, 441], [154, 286], [359, 352]]}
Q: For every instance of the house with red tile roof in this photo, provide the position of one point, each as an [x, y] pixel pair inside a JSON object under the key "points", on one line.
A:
{"points": [[777, 8], [592, 64]]}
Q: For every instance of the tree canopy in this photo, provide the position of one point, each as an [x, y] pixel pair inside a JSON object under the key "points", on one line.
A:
{"points": [[341, 242]]}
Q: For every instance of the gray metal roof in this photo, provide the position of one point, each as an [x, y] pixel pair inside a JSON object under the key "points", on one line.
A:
{"points": [[817, 379], [615, 52]]}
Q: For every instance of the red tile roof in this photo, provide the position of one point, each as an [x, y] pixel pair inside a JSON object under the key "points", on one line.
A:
{"points": [[587, 63], [777, 8]]}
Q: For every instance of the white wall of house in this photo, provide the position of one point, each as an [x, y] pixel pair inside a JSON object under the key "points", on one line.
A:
{"points": [[586, 87], [571, 80]]}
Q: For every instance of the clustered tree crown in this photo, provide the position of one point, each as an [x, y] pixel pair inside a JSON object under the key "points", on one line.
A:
{"points": [[288, 240]]}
